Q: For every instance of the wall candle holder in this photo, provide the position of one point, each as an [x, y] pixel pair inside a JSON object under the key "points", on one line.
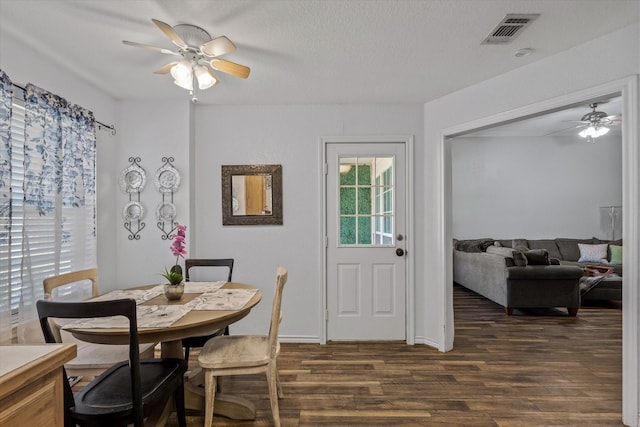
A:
{"points": [[132, 180], [167, 181]]}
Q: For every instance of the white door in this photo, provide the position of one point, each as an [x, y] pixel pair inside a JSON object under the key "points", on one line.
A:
{"points": [[365, 202]]}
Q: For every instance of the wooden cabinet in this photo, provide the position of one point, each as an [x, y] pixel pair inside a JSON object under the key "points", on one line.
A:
{"points": [[31, 384]]}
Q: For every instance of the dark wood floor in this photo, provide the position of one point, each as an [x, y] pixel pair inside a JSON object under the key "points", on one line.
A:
{"points": [[535, 368]]}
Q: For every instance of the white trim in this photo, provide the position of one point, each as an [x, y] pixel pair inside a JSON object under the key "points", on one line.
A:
{"points": [[299, 339], [407, 140], [628, 88]]}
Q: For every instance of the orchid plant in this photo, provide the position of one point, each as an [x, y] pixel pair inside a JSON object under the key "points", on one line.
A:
{"points": [[174, 275]]}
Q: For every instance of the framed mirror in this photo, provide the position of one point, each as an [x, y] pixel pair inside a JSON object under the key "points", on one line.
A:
{"points": [[252, 194]]}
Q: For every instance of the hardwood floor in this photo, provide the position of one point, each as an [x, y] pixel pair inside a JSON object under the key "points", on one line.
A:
{"points": [[535, 368]]}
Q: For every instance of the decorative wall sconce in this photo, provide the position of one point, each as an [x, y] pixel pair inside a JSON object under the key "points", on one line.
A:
{"points": [[132, 180], [167, 181]]}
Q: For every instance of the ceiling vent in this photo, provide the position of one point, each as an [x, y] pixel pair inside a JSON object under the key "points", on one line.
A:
{"points": [[510, 27]]}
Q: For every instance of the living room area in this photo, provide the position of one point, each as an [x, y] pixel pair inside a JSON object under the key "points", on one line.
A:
{"points": [[533, 185], [539, 186]]}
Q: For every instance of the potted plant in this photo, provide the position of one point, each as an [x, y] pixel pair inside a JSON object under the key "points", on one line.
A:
{"points": [[175, 288]]}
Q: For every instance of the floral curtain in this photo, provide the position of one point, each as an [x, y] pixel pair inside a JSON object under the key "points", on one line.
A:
{"points": [[6, 94], [52, 226]]}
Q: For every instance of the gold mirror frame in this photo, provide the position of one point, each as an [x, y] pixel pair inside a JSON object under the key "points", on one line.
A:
{"points": [[229, 171]]}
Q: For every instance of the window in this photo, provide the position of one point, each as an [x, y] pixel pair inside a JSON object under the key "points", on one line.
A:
{"points": [[48, 211], [366, 201]]}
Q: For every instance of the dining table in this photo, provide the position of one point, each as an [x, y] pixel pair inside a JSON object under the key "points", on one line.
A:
{"points": [[204, 308]]}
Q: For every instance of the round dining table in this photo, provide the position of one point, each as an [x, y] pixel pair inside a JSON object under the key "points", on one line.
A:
{"points": [[193, 323]]}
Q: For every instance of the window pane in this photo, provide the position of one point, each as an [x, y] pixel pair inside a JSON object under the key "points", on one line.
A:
{"points": [[364, 171], [347, 171], [364, 230], [364, 201], [347, 201], [347, 230]]}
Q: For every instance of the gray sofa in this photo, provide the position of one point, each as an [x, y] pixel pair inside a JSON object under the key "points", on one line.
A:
{"points": [[487, 267]]}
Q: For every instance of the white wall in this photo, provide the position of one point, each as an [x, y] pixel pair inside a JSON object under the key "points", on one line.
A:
{"points": [[534, 187], [149, 130], [286, 135]]}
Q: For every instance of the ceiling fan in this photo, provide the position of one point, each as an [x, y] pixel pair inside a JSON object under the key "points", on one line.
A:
{"points": [[200, 54], [595, 124]]}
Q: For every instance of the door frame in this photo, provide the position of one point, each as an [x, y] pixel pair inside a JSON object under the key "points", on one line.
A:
{"points": [[628, 89], [407, 141]]}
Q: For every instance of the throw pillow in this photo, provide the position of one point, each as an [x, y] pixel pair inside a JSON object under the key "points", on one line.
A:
{"points": [[499, 250], [616, 254], [519, 259], [593, 253], [537, 257]]}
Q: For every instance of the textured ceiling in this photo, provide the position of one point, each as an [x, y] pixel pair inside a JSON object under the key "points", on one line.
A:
{"points": [[307, 51]]}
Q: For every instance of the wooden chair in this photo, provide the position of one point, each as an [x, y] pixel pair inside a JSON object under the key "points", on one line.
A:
{"points": [[92, 359], [129, 391], [226, 263], [246, 354]]}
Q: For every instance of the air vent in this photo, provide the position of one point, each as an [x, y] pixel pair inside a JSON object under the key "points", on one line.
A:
{"points": [[510, 27]]}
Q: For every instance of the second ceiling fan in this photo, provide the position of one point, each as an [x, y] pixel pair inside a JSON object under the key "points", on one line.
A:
{"points": [[200, 54]]}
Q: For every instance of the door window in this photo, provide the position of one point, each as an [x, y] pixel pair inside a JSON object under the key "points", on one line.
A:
{"points": [[366, 201]]}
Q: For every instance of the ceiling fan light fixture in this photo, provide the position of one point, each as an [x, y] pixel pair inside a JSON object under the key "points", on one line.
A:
{"points": [[182, 73], [188, 85], [592, 132], [205, 77]]}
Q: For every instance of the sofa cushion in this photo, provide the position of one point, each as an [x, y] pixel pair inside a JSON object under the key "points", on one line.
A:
{"points": [[615, 252], [474, 245], [569, 248], [543, 272], [547, 244], [505, 243], [611, 242], [537, 257], [593, 253], [520, 244]]}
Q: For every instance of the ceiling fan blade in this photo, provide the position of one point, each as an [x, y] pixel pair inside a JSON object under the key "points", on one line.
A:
{"points": [[218, 46], [146, 46], [165, 69], [169, 32], [230, 68]]}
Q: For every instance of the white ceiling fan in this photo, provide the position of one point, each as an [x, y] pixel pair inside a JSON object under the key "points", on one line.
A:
{"points": [[200, 54], [595, 124]]}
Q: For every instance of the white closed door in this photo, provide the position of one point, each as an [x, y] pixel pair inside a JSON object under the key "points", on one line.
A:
{"points": [[365, 242]]}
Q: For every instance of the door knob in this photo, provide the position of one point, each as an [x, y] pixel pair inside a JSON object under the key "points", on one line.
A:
{"points": [[400, 252]]}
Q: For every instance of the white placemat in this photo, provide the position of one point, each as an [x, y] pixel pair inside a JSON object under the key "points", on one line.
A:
{"points": [[137, 294], [149, 316], [223, 299], [202, 287]]}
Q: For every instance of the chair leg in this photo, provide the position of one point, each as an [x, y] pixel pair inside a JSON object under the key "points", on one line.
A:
{"points": [[178, 399], [186, 354], [279, 386], [272, 381], [209, 396]]}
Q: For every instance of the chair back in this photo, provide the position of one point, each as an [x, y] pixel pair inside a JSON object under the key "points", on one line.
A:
{"points": [[80, 310], [51, 283], [202, 262], [276, 310]]}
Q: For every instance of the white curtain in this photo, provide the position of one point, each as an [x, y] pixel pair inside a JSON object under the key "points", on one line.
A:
{"points": [[52, 216]]}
